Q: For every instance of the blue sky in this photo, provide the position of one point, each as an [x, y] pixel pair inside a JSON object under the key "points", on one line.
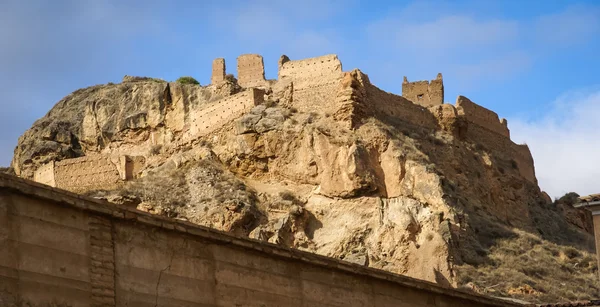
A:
{"points": [[535, 63]]}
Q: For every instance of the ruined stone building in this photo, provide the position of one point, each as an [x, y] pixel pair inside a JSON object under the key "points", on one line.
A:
{"points": [[314, 84], [398, 171]]}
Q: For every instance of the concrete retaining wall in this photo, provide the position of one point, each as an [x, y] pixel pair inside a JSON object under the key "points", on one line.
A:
{"points": [[63, 249]]}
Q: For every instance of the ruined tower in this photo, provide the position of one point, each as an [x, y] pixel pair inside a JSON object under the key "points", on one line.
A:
{"points": [[251, 70], [424, 93], [218, 71]]}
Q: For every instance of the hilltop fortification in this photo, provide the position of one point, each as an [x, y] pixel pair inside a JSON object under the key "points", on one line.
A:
{"points": [[315, 85], [319, 159]]}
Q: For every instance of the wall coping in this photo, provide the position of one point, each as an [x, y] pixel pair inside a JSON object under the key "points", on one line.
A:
{"points": [[100, 207]]}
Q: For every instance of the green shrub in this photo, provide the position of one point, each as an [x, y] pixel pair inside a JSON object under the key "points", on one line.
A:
{"points": [[569, 198], [187, 80]]}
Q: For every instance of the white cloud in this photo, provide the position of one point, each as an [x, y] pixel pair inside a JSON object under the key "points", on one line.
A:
{"points": [[469, 49], [492, 69], [46, 43], [564, 144], [455, 32], [575, 24]]}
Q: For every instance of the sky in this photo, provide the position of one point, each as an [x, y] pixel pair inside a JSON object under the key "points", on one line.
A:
{"points": [[535, 62]]}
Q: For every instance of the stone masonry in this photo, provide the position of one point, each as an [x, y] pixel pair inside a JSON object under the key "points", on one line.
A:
{"points": [[218, 71], [315, 81], [251, 70], [424, 93], [89, 172], [314, 85]]}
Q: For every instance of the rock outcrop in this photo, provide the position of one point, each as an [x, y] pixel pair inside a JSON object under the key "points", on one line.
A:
{"points": [[371, 178]]}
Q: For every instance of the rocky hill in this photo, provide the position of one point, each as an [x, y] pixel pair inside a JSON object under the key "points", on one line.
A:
{"points": [[322, 160]]}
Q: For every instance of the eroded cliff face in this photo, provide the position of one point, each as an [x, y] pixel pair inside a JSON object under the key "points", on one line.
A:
{"points": [[357, 184], [136, 116]]}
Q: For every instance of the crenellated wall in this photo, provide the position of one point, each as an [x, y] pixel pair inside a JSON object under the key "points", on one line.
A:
{"points": [[218, 71], [476, 114], [251, 70], [424, 93], [315, 80]]}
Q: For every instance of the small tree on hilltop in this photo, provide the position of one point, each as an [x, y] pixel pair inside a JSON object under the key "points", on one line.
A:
{"points": [[187, 80], [569, 198]]}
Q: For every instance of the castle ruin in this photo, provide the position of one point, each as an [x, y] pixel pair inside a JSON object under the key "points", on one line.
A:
{"points": [[218, 71], [251, 70], [424, 93], [309, 85]]}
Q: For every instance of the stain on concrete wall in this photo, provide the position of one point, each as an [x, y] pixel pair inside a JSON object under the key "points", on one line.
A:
{"points": [[70, 250], [218, 71], [424, 93], [251, 70]]}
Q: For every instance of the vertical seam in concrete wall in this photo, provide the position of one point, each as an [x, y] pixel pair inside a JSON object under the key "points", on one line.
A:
{"points": [[102, 262], [6, 297], [214, 273]]}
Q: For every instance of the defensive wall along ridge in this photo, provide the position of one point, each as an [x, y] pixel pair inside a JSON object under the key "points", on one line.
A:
{"points": [[108, 171], [316, 81], [317, 84], [62, 249], [215, 115]]}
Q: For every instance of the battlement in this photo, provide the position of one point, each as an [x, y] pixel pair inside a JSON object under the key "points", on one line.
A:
{"points": [[424, 93]]}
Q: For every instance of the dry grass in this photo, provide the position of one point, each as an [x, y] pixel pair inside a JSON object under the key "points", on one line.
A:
{"points": [[532, 269]]}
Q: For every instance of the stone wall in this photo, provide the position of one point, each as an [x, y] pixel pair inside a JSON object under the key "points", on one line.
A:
{"points": [[424, 93], [503, 146], [45, 174], [481, 116], [315, 81], [86, 173], [213, 116], [524, 159], [218, 71], [61, 249], [251, 70], [402, 109]]}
